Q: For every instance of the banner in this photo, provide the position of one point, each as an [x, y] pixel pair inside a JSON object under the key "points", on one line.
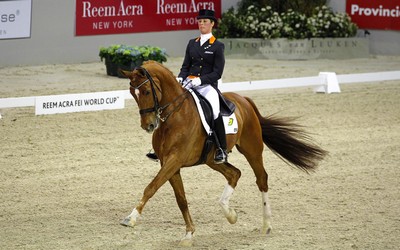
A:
{"points": [[95, 17], [55, 104], [378, 14], [15, 19]]}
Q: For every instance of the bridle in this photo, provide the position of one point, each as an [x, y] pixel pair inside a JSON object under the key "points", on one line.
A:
{"points": [[157, 108], [152, 84]]}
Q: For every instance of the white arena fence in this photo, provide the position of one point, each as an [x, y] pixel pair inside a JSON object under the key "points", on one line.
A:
{"points": [[325, 82]]}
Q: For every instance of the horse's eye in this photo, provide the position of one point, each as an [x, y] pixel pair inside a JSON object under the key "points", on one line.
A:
{"points": [[146, 92]]}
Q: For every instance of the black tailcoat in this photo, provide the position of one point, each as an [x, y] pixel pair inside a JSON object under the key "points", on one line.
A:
{"points": [[206, 62]]}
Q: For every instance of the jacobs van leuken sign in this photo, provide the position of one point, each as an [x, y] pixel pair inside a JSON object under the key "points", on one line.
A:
{"points": [[95, 17], [299, 49]]}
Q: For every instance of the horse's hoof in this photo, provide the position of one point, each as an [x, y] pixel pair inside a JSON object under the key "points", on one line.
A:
{"points": [[266, 230], [232, 216], [128, 222], [186, 241]]}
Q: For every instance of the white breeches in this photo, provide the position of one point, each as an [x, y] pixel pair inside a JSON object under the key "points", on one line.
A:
{"points": [[212, 96]]}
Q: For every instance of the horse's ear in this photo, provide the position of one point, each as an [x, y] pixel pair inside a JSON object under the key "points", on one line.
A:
{"points": [[126, 73], [141, 71]]}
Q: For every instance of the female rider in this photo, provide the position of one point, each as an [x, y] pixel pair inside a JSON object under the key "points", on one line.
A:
{"points": [[201, 69]]}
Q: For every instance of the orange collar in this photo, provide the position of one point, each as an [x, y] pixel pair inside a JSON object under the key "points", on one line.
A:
{"points": [[212, 39]]}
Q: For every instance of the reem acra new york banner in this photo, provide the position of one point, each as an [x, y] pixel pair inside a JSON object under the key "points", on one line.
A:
{"points": [[95, 17]]}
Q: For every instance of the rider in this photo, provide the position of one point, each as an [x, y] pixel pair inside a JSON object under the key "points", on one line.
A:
{"points": [[202, 67]]}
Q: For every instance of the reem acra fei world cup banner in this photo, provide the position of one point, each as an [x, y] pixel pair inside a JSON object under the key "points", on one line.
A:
{"points": [[377, 14], [95, 17]]}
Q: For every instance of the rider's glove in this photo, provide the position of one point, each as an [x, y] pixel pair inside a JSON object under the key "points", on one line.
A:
{"points": [[196, 82], [179, 79]]}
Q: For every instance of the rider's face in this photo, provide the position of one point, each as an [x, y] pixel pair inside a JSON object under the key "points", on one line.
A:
{"points": [[205, 25]]}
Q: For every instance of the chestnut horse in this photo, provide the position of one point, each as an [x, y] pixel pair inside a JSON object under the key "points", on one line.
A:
{"points": [[169, 112]]}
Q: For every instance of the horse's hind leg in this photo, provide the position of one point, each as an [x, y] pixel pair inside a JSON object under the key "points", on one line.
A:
{"points": [[232, 175], [256, 162], [177, 185]]}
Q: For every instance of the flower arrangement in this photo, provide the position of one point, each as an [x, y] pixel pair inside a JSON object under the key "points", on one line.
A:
{"points": [[325, 23], [124, 54], [262, 22], [128, 57], [268, 24]]}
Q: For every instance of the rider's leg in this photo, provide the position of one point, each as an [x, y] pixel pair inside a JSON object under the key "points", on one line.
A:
{"points": [[221, 155], [219, 130]]}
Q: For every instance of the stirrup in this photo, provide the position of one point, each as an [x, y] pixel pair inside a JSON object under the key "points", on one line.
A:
{"points": [[152, 156], [220, 156]]}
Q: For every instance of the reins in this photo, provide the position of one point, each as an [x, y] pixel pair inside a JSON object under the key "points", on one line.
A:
{"points": [[157, 108]]}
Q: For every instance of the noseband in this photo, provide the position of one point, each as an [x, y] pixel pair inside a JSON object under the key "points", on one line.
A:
{"points": [[157, 108]]}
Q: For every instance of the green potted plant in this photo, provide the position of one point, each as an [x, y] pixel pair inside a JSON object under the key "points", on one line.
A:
{"points": [[108, 54], [125, 57]]}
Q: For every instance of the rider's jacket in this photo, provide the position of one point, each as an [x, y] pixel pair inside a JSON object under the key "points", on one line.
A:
{"points": [[206, 61]]}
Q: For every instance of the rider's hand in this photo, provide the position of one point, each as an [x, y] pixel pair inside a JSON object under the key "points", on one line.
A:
{"points": [[196, 82], [179, 79]]}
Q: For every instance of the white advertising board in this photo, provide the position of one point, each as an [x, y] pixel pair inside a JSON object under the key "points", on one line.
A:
{"points": [[54, 104], [15, 19]]}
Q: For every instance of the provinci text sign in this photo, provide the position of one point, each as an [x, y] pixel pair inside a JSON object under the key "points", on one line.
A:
{"points": [[15, 19], [301, 49], [95, 17], [378, 14], [45, 105]]}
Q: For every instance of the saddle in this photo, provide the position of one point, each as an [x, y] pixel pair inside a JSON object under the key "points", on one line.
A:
{"points": [[227, 108], [205, 110]]}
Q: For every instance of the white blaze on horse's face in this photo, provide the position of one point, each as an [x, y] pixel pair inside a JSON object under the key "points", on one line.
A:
{"points": [[137, 92]]}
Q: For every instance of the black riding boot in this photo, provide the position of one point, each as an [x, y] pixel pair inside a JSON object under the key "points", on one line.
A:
{"points": [[219, 131]]}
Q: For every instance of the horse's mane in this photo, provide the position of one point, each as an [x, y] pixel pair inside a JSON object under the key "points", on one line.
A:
{"points": [[157, 64]]}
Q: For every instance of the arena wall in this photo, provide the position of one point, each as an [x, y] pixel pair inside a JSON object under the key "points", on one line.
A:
{"points": [[53, 38]]}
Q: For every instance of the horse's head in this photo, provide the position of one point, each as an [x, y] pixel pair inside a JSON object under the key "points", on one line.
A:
{"points": [[146, 91]]}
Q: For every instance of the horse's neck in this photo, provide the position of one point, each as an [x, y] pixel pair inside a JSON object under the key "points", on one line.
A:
{"points": [[170, 90]]}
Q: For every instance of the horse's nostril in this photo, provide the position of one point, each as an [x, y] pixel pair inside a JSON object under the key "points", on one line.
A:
{"points": [[151, 127]]}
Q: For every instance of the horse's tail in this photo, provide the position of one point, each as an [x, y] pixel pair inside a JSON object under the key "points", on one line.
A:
{"points": [[289, 141]]}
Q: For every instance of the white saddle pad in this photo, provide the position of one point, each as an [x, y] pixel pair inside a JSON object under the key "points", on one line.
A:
{"points": [[230, 122]]}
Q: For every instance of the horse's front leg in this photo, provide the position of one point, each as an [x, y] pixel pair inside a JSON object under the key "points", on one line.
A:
{"points": [[177, 185], [165, 173]]}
